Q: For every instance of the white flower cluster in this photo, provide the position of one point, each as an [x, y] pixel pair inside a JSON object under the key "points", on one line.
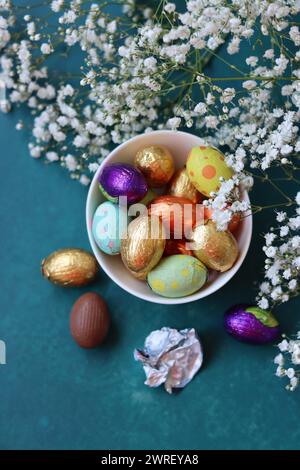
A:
{"points": [[288, 361], [130, 75], [282, 263]]}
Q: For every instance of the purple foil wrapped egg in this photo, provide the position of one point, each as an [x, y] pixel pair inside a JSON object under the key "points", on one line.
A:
{"points": [[251, 324], [122, 179]]}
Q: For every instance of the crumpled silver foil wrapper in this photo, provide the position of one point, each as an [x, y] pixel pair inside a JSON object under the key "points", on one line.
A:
{"points": [[170, 357]]}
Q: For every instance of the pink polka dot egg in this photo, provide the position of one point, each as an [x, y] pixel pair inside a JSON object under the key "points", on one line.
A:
{"points": [[205, 166]]}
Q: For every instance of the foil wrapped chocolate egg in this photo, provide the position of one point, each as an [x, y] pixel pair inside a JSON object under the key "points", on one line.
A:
{"points": [[70, 267], [109, 225], [122, 179], [144, 245], [251, 324], [156, 163], [181, 186], [178, 214], [233, 224], [205, 167], [177, 247], [177, 276], [217, 250]]}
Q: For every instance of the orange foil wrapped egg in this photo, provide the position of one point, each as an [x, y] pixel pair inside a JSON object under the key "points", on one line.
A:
{"points": [[178, 214], [233, 224], [177, 247], [181, 186], [156, 163]]}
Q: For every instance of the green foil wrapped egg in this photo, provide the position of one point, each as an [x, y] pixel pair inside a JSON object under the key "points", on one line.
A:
{"points": [[205, 167], [177, 276]]}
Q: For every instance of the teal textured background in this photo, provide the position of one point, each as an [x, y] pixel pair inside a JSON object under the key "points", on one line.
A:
{"points": [[58, 396]]}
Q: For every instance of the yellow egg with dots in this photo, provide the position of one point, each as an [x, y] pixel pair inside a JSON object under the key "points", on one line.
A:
{"points": [[205, 167]]}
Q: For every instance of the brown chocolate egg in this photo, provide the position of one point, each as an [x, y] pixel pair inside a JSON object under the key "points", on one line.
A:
{"points": [[178, 214], [89, 321], [156, 163], [144, 245], [177, 247], [217, 250], [181, 186]]}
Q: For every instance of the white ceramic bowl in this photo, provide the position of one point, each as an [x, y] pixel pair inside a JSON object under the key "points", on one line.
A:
{"points": [[180, 144]]}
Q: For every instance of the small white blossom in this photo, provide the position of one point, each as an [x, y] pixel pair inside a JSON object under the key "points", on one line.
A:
{"points": [[170, 7], [249, 84], [46, 48], [52, 156]]}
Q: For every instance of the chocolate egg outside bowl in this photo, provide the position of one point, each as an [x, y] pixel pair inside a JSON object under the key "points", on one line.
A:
{"points": [[70, 267], [251, 324], [89, 320]]}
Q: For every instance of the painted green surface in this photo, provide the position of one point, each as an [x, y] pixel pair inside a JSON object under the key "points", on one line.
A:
{"points": [[55, 395]]}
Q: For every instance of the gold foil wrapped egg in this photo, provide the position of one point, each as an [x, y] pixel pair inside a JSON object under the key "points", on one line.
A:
{"points": [[181, 186], [156, 163], [217, 250], [144, 245], [72, 267]]}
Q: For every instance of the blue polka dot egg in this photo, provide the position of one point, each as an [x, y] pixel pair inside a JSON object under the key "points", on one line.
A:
{"points": [[109, 223], [177, 276]]}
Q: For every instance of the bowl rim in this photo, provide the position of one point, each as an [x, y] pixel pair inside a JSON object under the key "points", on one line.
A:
{"points": [[110, 273]]}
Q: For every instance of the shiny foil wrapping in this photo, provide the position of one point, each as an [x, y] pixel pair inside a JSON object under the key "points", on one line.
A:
{"points": [[217, 250], [233, 224], [122, 179], [251, 324], [178, 214], [144, 245], [181, 186], [70, 267], [177, 247], [170, 357], [156, 163]]}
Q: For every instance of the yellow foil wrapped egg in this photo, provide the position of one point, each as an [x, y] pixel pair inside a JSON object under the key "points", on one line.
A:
{"points": [[205, 166], [156, 163], [217, 250], [70, 267], [144, 245], [181, 186]]}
